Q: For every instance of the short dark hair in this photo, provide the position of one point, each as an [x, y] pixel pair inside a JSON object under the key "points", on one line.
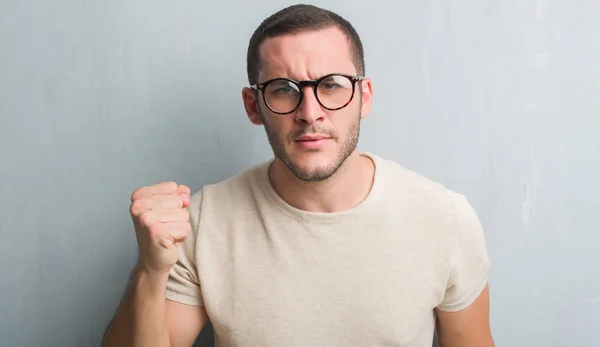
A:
{"points": [[301, 18]]}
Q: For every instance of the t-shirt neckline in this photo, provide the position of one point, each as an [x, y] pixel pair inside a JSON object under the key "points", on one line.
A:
{"points": [[321, 217]]}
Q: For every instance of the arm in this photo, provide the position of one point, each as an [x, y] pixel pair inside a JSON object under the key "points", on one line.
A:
{"points": [[147, 318], [184, 323], [469, 327], [463, 315]]}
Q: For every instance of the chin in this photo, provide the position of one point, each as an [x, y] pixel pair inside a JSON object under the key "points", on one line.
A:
{"points": [[311, 166], [313, 174], [312, 159]]}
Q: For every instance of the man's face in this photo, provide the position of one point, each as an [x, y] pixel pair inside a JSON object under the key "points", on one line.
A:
{"points": [[312, 142]]}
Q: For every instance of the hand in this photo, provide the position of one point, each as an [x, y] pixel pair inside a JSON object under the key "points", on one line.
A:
{"points": [[161, 222]]}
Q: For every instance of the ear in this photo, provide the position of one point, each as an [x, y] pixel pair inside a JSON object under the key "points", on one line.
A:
{"points": [[367, 96], [251, 105]]}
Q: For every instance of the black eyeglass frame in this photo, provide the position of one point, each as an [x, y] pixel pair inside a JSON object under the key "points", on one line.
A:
{"points": [[302, 84]]}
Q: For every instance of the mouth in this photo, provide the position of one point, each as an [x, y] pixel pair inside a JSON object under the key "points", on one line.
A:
{"points": [[311, 138], [312, 142]]}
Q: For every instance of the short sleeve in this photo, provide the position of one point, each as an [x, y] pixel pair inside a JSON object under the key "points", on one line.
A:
{"points": [[469, 261], [183, 285]]}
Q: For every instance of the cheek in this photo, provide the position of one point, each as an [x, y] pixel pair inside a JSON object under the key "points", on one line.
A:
{"points": [[346, 123], [276, 124]]}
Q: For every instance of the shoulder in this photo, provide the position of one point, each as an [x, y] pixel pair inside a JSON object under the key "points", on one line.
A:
{"points": [[403, 187], [230, 191], [406, 184]]}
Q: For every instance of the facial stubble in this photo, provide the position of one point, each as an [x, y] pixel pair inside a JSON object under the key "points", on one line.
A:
{"points": [[322, 173]]}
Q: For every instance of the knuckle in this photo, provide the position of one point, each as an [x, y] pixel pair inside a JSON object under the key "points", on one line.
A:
{"points": [[175, 201], [183, 188], [145, 218], [138, 192], [161, 203], [136, 207], [171, 186]]}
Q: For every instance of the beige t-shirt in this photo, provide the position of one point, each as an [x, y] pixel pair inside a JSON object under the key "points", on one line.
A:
{"points": [[269, 274]]}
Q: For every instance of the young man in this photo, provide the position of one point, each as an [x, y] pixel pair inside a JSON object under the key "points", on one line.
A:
{"points": [[321, 246]]}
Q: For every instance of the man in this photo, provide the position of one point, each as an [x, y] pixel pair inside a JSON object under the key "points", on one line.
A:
{"points": [[321, 246]]}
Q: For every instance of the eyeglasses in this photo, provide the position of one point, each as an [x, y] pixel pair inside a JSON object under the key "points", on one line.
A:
{"points": [[284, 95]]}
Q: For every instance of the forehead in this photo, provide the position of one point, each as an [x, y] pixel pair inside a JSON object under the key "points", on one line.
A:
{"points": [[306, 55]]}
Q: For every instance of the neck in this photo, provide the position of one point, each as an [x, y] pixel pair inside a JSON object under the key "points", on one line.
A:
{"points": [[344, 190]]}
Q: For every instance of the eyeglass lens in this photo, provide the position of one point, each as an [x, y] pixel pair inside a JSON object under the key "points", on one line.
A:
{"points": [[332, 92]]}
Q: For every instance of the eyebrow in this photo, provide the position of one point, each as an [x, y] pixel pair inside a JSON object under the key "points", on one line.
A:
{"points": [[312, 79]]}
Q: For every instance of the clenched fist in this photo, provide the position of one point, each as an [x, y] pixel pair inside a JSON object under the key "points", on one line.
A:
{"points": [[161, 221]]}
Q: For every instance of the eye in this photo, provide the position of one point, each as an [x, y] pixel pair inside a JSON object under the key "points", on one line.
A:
{"points": [[282, 89], [330, 85], [334, 83], [285, 90]]}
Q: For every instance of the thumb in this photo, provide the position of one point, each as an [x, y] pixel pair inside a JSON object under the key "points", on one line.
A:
{"points": [[185, 199], [184, 193]]}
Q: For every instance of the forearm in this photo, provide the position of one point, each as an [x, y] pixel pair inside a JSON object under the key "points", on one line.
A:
{"points": [[141, 317]]}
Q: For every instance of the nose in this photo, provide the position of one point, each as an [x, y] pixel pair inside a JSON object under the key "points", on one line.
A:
{"points": [[309, 110]]}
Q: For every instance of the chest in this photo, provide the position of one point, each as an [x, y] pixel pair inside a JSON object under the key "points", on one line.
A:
{"points": [[375, 284]]}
